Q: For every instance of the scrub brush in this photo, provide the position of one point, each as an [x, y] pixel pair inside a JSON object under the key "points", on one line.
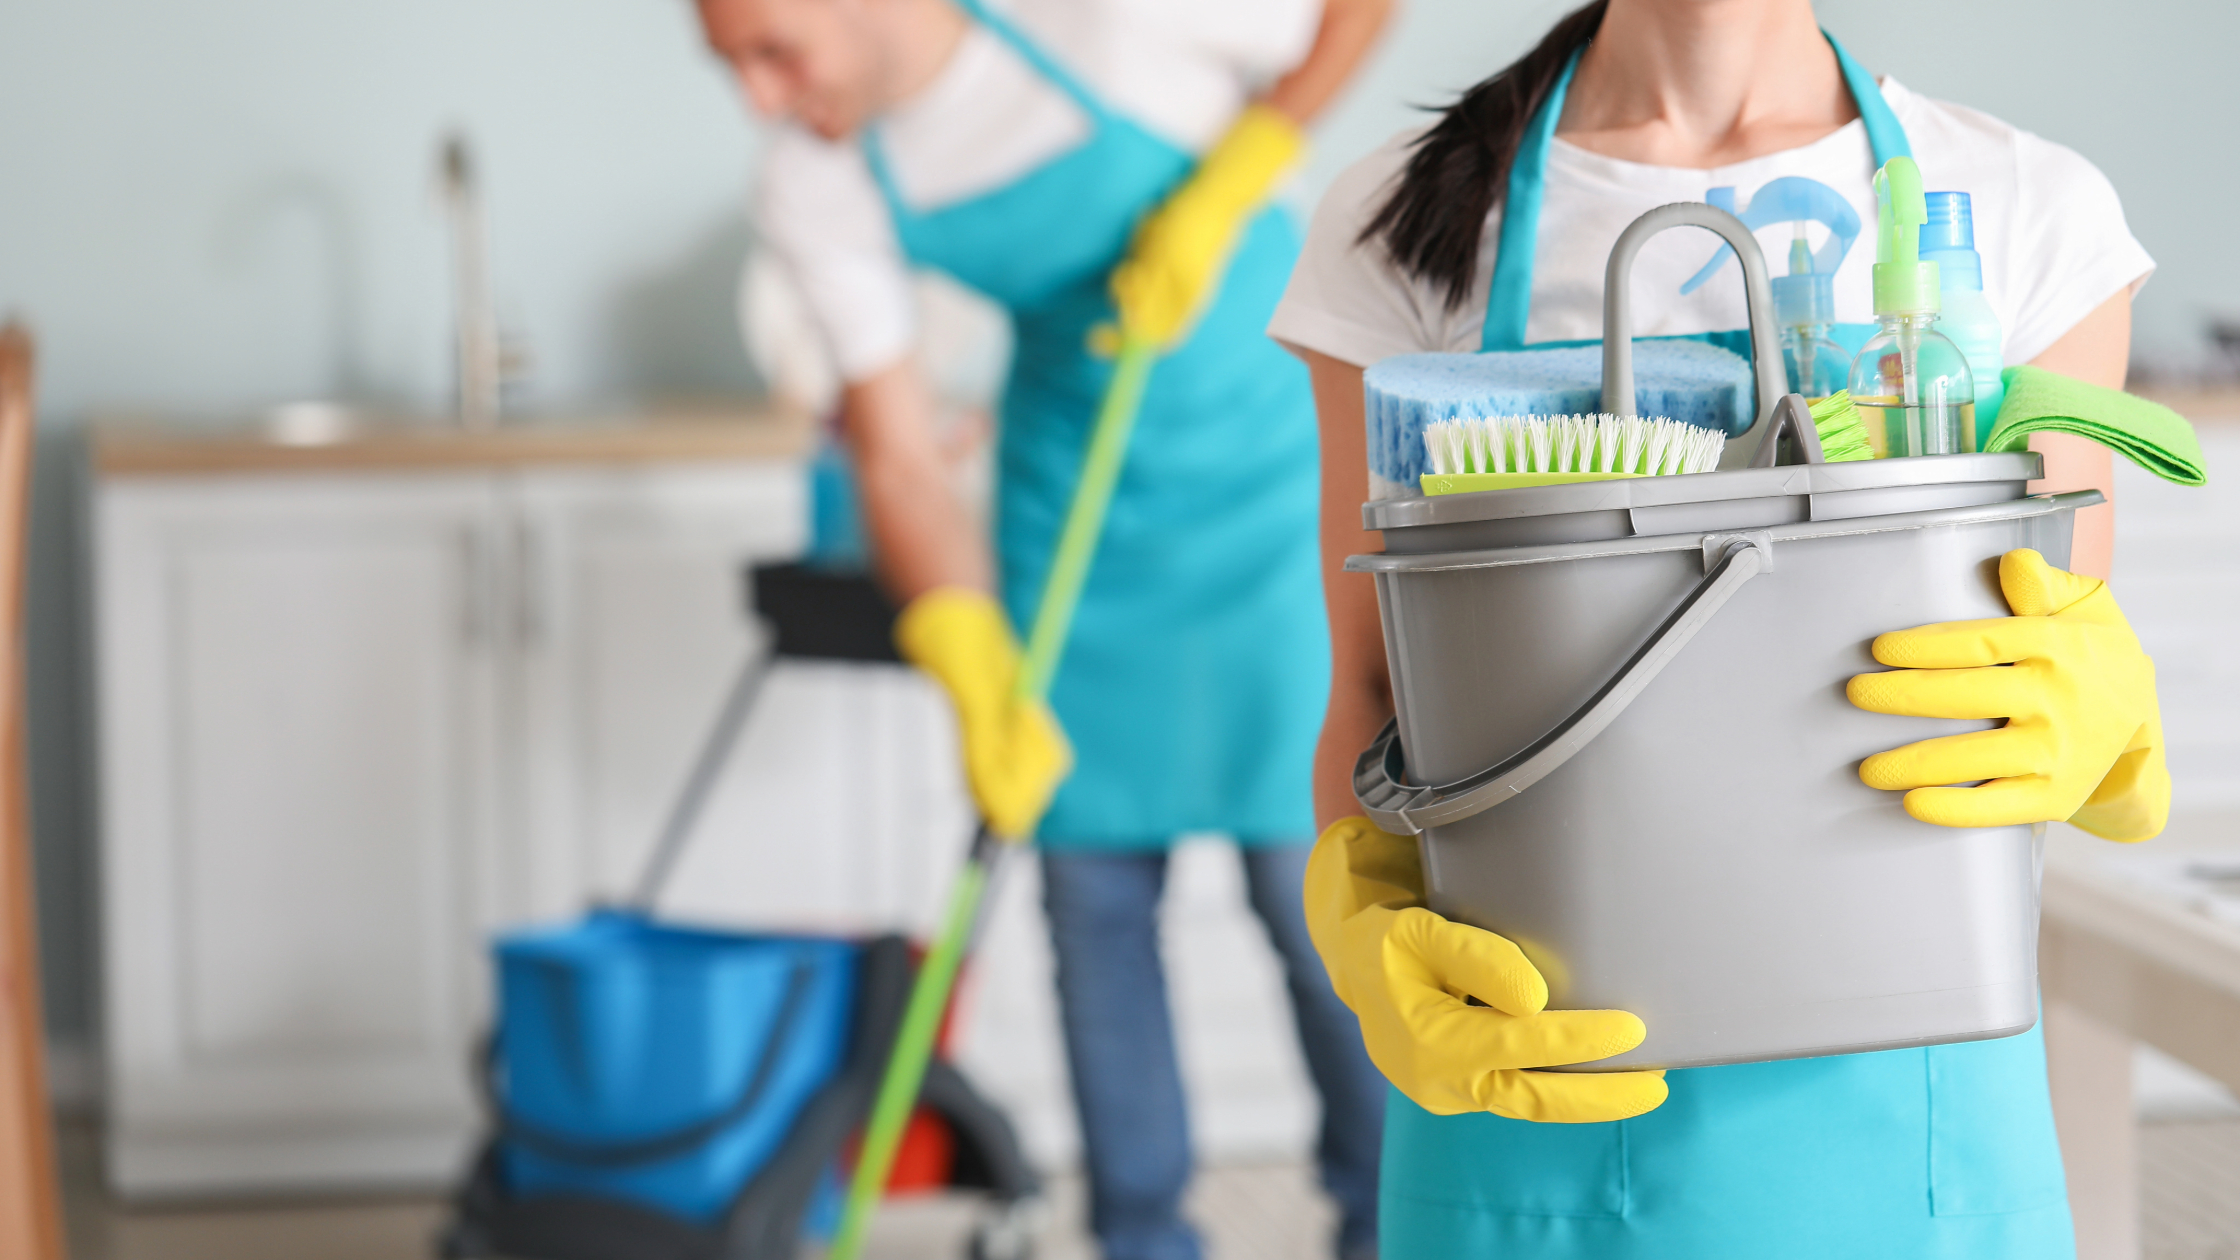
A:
{"points": [[1507, 452], [1843, 433]]}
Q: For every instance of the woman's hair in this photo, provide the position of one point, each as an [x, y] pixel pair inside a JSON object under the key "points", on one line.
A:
{"points": [[1459, 170]]}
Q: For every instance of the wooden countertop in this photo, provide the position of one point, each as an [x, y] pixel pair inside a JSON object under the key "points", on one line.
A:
{"points": [[139, 447], [2212, 405], [2123, 941]]}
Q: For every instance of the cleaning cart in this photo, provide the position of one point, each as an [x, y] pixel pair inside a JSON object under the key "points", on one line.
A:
{"points": [[657, 1092]]}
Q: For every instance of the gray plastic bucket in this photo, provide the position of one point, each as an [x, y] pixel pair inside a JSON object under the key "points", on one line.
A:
{"points": [[1623, 741]]}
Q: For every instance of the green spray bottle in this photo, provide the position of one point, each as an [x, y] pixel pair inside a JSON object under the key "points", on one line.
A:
{"points": [[1911, 382]]}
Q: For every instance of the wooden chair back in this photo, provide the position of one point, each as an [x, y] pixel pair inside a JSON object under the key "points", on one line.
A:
{"points": [[30, 1200]]}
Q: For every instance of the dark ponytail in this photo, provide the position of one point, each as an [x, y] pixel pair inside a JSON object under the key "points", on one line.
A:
{"points": [[1436, 218]]}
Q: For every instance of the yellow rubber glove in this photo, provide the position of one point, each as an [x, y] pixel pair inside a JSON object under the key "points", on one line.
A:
{"points": [[1014, 754], [2083, 739], [1405, 972], [1181, 249]]}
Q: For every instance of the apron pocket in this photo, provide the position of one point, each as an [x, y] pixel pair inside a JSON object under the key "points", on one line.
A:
{"points": [[1507, 1167], [1992, 1147]]}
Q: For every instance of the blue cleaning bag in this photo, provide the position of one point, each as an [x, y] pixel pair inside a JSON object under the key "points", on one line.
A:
{"points": [[660, 1064]]}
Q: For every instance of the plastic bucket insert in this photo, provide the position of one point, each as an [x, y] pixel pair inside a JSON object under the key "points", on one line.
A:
{"points": [[659, 1064]]}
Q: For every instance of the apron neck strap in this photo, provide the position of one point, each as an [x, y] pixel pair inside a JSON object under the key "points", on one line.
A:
{"points": [[1509, 295], [1040, 62], [1884, 135], [1032, 53]]}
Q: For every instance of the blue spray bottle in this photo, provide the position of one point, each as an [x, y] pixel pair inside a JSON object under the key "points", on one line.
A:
{"points": [[1948, 239], [1804, 302]]}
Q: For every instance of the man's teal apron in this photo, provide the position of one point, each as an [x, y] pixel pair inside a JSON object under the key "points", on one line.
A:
{"points": [[1944, 1152], [1194, 682]]}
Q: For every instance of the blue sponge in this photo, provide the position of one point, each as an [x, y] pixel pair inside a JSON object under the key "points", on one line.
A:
{"points": [[1685, 380]]}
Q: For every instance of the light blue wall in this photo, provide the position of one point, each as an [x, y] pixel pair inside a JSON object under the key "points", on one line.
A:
{"points": [[2143, 89], [211, 205]]}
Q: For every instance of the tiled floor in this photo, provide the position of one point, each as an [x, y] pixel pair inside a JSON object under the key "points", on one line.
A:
{"points": [[2190, 1188], [1248, 1212]]}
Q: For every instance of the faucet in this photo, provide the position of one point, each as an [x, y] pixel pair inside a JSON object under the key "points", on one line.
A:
{"points": [[481, 365]]}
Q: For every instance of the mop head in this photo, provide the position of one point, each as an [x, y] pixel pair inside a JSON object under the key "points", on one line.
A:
{"points": [[1687, 381], [1507, 452]]}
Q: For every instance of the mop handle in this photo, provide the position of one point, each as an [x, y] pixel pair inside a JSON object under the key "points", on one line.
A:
{"points": [[937, 976], [1092, 498]]}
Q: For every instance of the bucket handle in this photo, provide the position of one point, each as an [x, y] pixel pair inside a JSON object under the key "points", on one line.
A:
{"points": [[1406, 809], [1757, 290]]}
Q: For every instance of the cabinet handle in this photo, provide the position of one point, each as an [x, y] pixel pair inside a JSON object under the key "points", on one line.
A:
{"points": [[528, 586], [474, 588]]}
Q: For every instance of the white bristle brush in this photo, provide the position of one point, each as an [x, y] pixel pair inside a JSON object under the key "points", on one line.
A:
{"points": [[1644, 446]]}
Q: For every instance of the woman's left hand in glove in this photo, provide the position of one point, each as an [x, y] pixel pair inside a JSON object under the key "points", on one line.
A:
{"points": [[2083, 734]]}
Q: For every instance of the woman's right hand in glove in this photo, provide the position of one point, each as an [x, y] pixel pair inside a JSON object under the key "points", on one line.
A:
{"points": [[1406, 971]]}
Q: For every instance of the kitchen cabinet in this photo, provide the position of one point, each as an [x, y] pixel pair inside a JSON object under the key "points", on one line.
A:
{"points": [[351, 722]]}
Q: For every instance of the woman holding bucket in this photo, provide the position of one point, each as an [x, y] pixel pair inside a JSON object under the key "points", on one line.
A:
{"points": [[1489, 230]]}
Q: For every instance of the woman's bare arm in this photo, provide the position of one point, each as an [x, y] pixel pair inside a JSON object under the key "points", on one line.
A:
{"points": [[2098, 350], [1360, 690]]}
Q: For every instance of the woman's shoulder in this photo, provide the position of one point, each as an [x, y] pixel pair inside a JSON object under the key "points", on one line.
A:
{"points": [[1347, 298], [2048, 223], [1958, 145]]}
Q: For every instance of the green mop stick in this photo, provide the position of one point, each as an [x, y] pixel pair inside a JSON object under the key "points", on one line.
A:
{"points": [[937, 977]]}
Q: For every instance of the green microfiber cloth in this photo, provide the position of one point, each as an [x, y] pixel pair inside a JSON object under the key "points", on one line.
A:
{"points": [[2146, 433]]}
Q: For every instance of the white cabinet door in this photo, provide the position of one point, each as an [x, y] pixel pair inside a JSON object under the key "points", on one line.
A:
{"points": [[839, 808], [296, 699]]}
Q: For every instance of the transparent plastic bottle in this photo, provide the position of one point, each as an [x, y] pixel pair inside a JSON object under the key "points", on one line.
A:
{"points": [[1913, 389], [1911, 382], [1948, 239], [1804, 306]]}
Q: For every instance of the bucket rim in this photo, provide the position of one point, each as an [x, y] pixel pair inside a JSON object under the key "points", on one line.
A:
{"points": [[1712, 487], [1696, 539]]}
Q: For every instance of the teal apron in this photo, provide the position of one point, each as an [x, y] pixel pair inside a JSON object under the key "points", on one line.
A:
{"points": [[1944, 1152], [1194, 682]]}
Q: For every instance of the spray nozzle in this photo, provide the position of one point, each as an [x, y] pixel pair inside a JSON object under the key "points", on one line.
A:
{"points": [[1903, 284], [1807, 294]]}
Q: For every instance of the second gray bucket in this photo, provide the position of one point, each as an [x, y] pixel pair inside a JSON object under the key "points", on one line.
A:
{"points": [[1623, 740]]}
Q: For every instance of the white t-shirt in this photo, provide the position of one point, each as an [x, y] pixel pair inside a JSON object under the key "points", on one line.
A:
{"points": [[2047, 223], [1180, 68]]}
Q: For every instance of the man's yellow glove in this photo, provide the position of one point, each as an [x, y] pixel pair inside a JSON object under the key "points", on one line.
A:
{"points": [[2083, 739], [1181, 249], [1405, 972], [1014, 754]]}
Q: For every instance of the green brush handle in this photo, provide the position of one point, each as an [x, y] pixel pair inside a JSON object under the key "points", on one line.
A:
{"points": [[929, 994]]}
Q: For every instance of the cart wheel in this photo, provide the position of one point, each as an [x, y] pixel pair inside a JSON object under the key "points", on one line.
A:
{"points": [[1008, 1232], [461, 1241]]}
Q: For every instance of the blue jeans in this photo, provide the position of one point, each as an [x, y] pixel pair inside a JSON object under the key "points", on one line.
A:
{"points": [[1127, 1085]]}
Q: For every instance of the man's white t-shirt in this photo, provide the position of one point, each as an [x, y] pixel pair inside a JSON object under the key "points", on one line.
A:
{"points": [[2047, 223], [1180, 68]]}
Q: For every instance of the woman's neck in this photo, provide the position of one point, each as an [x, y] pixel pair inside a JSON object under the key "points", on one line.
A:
{"points": [[1705, 83]]}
